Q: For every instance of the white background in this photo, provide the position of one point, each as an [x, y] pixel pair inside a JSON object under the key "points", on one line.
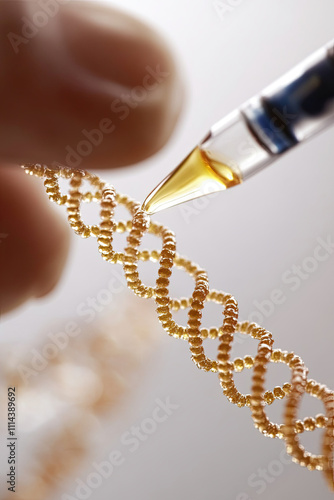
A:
{"points": [[246, 239]]}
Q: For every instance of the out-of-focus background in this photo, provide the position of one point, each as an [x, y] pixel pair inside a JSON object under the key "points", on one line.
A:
{"points": [[257, 241]]}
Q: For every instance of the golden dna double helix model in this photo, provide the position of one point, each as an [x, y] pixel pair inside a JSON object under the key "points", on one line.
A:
{"points": [[225, 367]]}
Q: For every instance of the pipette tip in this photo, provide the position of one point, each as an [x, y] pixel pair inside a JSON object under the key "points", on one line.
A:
{"points": [[196, 176]]}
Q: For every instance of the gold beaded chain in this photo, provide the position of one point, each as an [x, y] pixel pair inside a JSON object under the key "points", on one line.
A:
{"points": [[168, 258]]}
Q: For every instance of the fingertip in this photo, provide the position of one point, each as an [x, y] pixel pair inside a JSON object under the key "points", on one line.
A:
{"points": [[146, 92], [90, 64]]}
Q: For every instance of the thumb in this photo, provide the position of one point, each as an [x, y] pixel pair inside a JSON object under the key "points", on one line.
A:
{"points": [[83, 85]]}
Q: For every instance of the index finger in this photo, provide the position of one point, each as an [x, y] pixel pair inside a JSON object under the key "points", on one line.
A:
{"points": [[93, 87]]}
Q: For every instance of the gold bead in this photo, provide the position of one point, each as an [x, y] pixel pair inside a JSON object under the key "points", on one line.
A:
{"points": [[184, 303], [155, 255], [239, 364], [249, 361], [121, 227], [213, 333], [144, 255], [309, 424], [204, 333], [299, 426], [269, 397], [276, 355], [279, 393], [320, 421], [175, 305]]}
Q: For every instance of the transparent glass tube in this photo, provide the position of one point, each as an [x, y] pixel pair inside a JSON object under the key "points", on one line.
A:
{"points": [[293, 109]]}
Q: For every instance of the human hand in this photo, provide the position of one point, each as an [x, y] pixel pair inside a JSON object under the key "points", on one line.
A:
{"points": [[82, 85]]}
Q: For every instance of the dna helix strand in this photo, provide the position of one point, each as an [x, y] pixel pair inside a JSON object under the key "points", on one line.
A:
{"points": [[140, 224]]}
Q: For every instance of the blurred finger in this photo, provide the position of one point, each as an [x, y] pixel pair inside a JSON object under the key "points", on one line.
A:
{"points": [[34, 240], [90, 88]]}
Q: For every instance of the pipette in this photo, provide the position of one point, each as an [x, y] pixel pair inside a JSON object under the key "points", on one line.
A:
{"points": [[288, 112]]}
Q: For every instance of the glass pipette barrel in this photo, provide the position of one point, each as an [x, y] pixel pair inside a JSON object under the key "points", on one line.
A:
{"points": [[293, 109]]}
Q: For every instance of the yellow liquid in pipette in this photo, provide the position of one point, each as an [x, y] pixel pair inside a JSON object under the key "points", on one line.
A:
{"points": [[198, 175]]}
